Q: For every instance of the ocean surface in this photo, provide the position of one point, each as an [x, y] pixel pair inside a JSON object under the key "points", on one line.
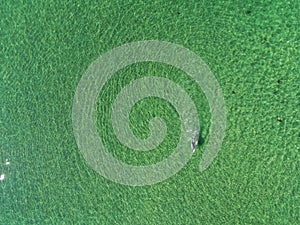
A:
{"points": [[251, 47]]}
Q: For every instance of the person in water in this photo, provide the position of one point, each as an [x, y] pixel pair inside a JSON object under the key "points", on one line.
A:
{"points": [[194, 144]]}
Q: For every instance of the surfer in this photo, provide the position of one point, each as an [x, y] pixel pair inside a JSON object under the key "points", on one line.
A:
{"points": [[194, 144]]}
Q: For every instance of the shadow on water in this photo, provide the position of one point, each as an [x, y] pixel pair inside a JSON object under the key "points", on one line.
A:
{"points": [[200, 139]]}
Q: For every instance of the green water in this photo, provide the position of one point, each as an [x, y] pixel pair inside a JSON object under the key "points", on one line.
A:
{"points": [[251, 47]]}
